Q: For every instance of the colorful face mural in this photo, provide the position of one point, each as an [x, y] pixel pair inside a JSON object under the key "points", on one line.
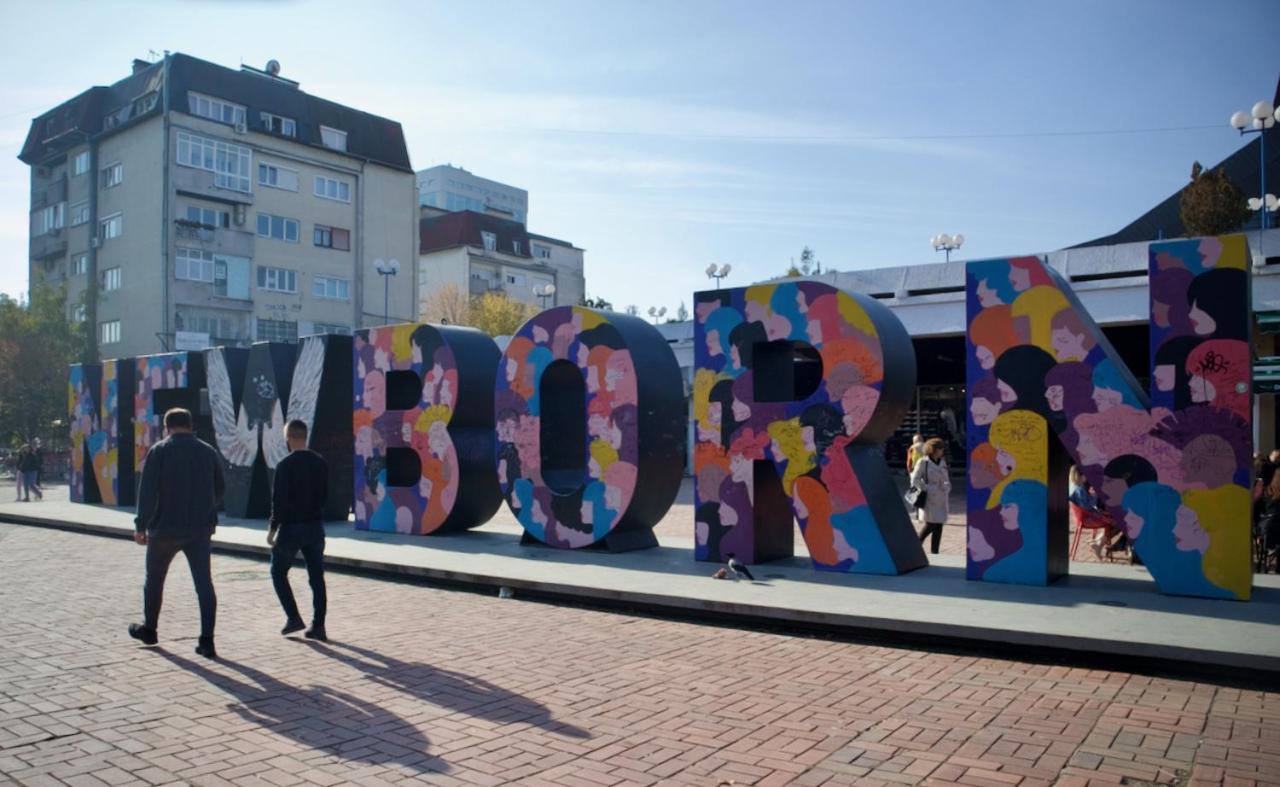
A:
{"points": [[423, 428], [796, 385], [1037, 363], [97, 421], [82, 404], [179, 374], [588, 451]]}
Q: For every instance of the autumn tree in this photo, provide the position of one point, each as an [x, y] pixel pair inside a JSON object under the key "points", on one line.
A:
{"points": [[37, 344], [447, 305], [498, 315], [597, 303], [1211, 204], [809, 264]]}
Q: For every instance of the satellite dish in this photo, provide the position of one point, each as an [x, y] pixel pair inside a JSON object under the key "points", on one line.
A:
{"points": [[273, 67]]}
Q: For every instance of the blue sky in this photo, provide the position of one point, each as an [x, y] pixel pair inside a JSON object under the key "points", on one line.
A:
{"points": [[662, 136]]}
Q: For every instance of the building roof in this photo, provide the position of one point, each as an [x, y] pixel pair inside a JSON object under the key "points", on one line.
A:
{"points": [[557, 241], [101, 111], [1241, 167], [463, 228]]}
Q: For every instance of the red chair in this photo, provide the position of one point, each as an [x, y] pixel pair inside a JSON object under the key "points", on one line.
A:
{"points": [[1083, 520]]}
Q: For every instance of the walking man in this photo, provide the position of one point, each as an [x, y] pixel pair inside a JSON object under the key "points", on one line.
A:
{"points": [[178, 499], [297, 524]]}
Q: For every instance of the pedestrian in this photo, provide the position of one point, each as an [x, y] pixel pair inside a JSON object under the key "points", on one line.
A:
{"points": [[27, 468], [16, 461], [1270, 524], [931, 476], [37, 464], [914, 452], [1092, 514], [178, 497], [297, 524]]}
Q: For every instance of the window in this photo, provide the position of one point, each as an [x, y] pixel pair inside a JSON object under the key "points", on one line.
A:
{"points": [[78, 312], [111, 227], [277, 227], [193, 264], [278, 124], [228, 163], [209, 217], [544, 252], [515, 278], [80, 213], [278, 279], [79, 264], [490, 241], [329, 188], [109, 332], [112, 175], [277, 177], [515, 246], [80, 164], [202, 323], [111, 279], [332, 238], [48, 219], [215, 109], [277, 330], [333, 138], [332, 327], [328, 287]]}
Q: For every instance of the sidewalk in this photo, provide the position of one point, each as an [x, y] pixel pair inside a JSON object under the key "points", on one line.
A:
{"points": [[1101, 609]]}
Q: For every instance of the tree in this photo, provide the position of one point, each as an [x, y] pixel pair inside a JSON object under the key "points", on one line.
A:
{"points": [[809, 264], [682, 314], [597, 303], [37, 343], [1211, 204], [497, 315], [447, 305], [633, 310]]}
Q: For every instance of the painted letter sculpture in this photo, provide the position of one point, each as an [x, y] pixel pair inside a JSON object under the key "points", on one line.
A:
{"points": [[796, 386], [1173, 470], [590, 419], [100, 471], [423, 428]]}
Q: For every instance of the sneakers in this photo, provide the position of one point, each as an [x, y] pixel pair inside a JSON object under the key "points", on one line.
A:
{"points": [[143, 634], [293, 625], [316, 633], [205, 648]]}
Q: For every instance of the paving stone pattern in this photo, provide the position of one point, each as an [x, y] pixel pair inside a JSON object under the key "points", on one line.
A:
{"points": [[422, 685]]}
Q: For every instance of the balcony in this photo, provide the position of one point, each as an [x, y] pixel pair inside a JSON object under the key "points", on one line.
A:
{"points": [[481, 286], [51, 193], [200, 183], [232, 241], [50, 244]]}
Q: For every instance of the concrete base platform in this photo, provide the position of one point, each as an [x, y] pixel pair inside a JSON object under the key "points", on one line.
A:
{"points": [[1102, 611]]}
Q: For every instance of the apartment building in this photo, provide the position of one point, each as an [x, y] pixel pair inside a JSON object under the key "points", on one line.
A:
{"points": [[449, 188], [479, 253], [192, 205]]}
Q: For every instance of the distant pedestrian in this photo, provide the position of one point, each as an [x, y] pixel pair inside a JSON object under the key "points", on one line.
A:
{"points": [[28, 469], [914, 452], [37, 453], [178, 497], [15, 462], [297, 524], [932, 477]]}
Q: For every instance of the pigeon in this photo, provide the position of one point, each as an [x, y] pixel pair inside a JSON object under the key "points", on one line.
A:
{"points": [[738, 569]]}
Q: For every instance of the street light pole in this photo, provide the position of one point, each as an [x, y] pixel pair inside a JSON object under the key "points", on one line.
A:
{"points": [[544, 292], [386, 270], [947, 243], [1262, 117], [718, 274]]}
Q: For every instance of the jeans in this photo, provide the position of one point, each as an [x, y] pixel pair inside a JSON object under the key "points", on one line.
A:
{"points": [[30, 485], [282, 556], [161, 551]]}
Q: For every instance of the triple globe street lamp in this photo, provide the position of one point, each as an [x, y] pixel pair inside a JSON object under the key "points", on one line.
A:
{"points": [[1262, 117], [948, 243]]}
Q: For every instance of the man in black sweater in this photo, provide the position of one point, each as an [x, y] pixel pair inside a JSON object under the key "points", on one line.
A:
{"points": [[178, 497], [297, 523]]}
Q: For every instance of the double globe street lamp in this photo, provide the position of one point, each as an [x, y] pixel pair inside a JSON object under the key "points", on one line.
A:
{"points": [[544, 292], [386, 269], [718, 273]]}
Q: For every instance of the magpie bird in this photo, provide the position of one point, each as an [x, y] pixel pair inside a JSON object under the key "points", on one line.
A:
{"points": [[738, 569]]}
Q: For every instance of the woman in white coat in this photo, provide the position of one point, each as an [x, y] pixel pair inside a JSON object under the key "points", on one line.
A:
{"points": [[931, 475]]}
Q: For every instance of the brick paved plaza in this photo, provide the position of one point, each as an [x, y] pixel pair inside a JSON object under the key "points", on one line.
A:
{"points": [[441, 687]]}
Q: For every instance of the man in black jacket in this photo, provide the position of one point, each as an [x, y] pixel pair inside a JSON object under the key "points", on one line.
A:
{"points": [[178, 497], [297, 523]]}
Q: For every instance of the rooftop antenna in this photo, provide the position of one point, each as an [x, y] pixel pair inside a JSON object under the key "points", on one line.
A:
{"points": [[153, 54]]}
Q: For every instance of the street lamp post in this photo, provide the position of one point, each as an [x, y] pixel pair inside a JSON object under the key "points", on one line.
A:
{"points": [[1262, 117], [948, 243], [718, 273], [386, 270], [544, 292], [656, 314]]}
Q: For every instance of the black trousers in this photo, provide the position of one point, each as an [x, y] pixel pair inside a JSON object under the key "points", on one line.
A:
{"points": [[933, 529], [161, 550], [282, 555]]}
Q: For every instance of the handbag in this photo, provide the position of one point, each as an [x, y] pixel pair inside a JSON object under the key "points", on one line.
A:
{"points": [[915, 497]]}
